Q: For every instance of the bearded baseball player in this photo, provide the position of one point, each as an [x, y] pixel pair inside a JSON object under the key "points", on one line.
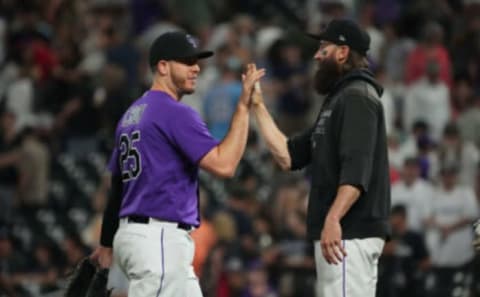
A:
{"points": [[346, 149], [160, 146]]}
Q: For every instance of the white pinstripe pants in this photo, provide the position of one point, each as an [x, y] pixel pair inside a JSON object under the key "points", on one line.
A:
{"points": [[157, 259], [356, 276]]}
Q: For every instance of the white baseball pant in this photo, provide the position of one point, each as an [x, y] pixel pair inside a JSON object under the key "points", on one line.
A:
{"points": [[356, 276], [157, 259]]}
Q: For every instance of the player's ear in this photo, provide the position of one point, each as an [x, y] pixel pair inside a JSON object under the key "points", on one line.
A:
{"points": [[162, 67], [342, 53]]}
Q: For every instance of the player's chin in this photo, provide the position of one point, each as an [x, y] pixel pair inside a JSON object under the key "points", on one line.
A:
{"points": [[189, 88], [188, 91]]}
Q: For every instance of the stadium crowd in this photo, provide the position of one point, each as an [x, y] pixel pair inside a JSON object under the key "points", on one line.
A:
{"points": [[69, 68]]}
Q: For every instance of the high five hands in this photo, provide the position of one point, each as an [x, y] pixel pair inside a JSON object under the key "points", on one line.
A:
{"points": [[251, 85]]}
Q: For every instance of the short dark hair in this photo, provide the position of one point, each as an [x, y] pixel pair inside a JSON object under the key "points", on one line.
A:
{"points": [[400, 210], [411, 161]]}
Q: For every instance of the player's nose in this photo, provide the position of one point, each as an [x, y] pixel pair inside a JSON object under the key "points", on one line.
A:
{"points": [[319, 55], [196, 67]]}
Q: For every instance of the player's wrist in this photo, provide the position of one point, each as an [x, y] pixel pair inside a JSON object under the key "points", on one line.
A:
{"points": [[242, 107], [332, 218], [258, 105]]}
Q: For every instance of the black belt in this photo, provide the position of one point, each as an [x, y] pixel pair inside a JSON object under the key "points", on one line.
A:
{"points": [[146, 220]]}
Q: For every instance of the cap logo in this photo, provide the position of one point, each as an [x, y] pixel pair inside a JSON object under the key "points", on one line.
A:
{"points": [[192, 40], [342, 38]]}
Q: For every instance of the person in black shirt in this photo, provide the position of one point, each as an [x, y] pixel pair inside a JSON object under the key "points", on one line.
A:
{"points": [[405, 261], [346, 150]]}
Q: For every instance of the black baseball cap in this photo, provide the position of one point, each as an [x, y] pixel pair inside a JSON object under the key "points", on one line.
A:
{"points": [[345, 32], [175, 45]]}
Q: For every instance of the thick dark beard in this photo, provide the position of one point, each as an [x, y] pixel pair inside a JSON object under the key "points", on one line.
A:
{"points": [[327, 75]]}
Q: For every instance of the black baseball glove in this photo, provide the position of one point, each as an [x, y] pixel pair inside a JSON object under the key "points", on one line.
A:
{"points": [[88, 281], [98, 286]]}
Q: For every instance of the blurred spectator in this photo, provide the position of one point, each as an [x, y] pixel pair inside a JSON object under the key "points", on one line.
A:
{"points": [[469, 122], [430, 49], [214, 277], [428, 159], [233, 280], [19, 97], [454, 150], [241, 205], [387, 11], [221, 99], [293, 261], [428, 99], [34, 171], [399, 151], [465, 43], [196, 19], [258, 283], [290, 72], [121, 53], [397, 48], [462, 96], [449, 237], [414, 194], [11, 263], [145, 13], [42, 276], [9, 157], [3, 29], [405, 260], [366, 20], [74, 249], [78, 121], [64, 83], [112, 97]]}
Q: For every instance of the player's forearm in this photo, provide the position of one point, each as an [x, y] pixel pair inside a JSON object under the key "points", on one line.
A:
{"points": [[347, 195], [274, 138], [232, 147]]}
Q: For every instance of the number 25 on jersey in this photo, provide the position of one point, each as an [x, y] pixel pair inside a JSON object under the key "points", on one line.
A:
{"points": [[130, 158]]}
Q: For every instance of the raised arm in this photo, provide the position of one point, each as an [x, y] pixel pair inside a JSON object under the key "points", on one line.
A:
{"points": [[223, 159], [275, 139]]}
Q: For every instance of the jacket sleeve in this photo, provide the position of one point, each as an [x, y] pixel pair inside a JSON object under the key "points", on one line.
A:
{"points": [[299, 148], [358, 136], [111, 212]]}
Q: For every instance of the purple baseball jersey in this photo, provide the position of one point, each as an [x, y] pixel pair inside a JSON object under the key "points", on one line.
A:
{"points": [[159, 143]]}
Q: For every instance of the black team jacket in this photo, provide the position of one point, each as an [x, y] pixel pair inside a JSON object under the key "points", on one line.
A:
{"points": [[347, 146]]}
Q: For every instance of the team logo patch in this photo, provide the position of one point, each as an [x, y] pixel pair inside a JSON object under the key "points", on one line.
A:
{"points": [[133, 115], [192, 40], [342, 38]]}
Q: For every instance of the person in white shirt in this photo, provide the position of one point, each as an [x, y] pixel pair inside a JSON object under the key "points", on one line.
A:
{"points": [[450, 236], [428, 99], [414, 194], [408, 147], [454, 149]]}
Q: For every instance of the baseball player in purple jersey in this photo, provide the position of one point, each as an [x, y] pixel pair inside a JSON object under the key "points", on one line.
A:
{"points": [[160, 146]]}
